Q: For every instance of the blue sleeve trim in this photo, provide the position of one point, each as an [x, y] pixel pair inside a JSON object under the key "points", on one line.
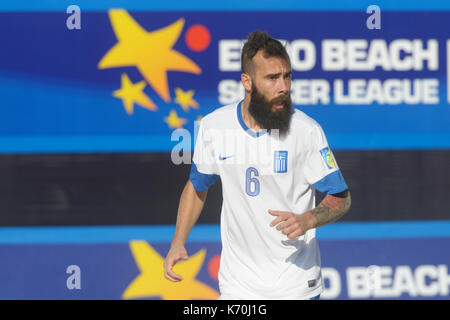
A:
{"points": [[332, 183], [201, 181]]}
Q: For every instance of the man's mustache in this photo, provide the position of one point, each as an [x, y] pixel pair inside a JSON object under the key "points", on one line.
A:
{"points": [[282, 99]]}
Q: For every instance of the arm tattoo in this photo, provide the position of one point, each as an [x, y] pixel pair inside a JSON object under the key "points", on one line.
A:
{"points": [[330, 209]]}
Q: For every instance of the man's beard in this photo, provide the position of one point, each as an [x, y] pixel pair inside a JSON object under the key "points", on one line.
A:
{"points": [[261, 110]]}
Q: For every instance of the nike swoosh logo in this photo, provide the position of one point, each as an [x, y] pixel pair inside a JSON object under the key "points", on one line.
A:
{"points": [[224, 158]]}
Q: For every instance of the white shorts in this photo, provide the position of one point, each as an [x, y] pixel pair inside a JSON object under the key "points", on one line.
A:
{"points": [[230, 297]]}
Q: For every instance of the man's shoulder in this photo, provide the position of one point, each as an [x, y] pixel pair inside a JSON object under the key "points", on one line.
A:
{"points": [[219, 116], [302, 121]]}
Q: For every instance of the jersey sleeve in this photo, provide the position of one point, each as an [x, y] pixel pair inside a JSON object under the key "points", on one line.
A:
{"points": [[204, 170], [321, 169]]}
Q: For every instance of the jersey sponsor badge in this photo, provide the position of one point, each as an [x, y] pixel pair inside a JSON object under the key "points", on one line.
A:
{"points": [[280, 161], [328, 158]]}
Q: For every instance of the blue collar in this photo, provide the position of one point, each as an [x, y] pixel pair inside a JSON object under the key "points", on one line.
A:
{"points": [[244, 126]]}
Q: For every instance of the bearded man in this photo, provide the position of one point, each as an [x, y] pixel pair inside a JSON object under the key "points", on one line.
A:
{"points": [[269, 217]]}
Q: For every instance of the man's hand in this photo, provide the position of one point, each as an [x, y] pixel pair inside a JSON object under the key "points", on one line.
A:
{"points": [[290, 224], [175, 254], [329, 210]]}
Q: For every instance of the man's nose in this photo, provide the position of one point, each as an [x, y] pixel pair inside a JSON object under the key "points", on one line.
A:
{"points": [[283, 86]]}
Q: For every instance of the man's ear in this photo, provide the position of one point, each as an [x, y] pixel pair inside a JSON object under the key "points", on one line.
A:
{"points": [[246, 82]]}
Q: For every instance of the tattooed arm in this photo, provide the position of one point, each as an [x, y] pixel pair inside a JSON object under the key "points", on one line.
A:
{"points": [[329, 210]]}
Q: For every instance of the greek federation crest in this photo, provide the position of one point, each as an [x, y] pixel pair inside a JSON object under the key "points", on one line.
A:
{"points": [[328, 158], [280, 161]]}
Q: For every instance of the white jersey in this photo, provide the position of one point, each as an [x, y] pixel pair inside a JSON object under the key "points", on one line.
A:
{"points": [[262, 171]]}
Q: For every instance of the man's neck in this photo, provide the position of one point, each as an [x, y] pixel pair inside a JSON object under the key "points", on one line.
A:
{"points": [[249, 121]]}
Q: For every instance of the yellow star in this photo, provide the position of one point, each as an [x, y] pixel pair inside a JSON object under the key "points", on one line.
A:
{"points": [[185, 99], [150, 52], [151, 281], [173, 121], [131, 93]]}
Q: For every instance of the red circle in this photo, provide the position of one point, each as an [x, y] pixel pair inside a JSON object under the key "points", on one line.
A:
{"points": [[197, 38], [213, 267]]}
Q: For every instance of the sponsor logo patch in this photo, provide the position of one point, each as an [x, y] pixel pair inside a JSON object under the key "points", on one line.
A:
{"points": [[312, 283], [328, 158]]}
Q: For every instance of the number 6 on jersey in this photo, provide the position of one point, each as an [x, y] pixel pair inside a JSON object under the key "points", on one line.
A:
{"points": [[251, 183]]}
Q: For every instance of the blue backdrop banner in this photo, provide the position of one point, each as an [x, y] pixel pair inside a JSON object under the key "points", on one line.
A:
{"points": [[123, 80], [398, 260]]}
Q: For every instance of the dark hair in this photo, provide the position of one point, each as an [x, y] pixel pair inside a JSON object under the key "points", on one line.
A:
{"points": [[260, 40]]}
